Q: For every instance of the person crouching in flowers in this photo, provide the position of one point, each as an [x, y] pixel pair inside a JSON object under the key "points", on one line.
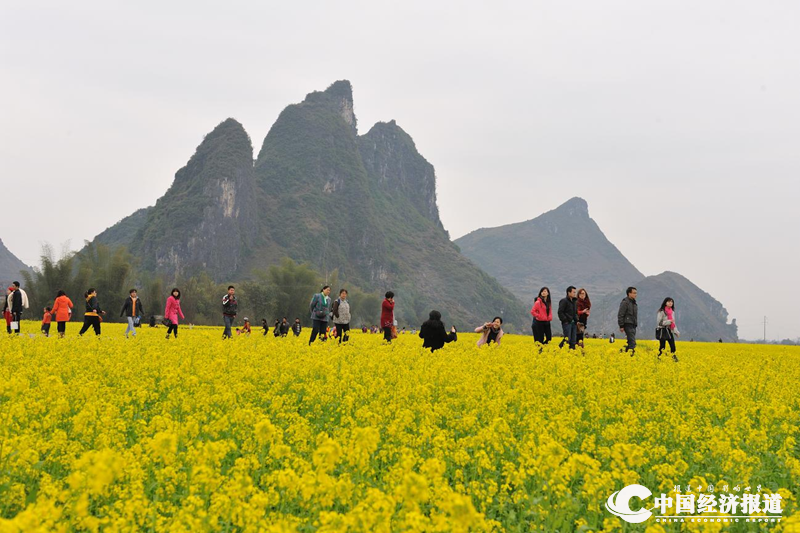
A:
{"points": [[666, 330], [433, 333], [245, 329], [172, 311], [93, 314], [490, 331]]}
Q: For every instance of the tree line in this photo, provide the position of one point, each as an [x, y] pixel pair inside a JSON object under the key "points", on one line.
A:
{"points": [[280, 290]]}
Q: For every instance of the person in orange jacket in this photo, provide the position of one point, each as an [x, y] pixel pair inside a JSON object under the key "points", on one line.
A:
{"points": [[62, 311]]}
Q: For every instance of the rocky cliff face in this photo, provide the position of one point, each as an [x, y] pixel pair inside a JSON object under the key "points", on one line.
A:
{"points": [[318, 193], [397, 168], [207, 219]]}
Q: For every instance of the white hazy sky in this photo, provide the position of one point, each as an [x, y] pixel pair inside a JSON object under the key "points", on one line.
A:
{"points": [[677, 121]]}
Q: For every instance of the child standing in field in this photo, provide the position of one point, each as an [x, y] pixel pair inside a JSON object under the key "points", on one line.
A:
{"points": [[46, 319], [666, 330]]}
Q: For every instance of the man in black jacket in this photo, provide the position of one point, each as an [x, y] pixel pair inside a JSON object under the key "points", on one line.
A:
{"points": [[132, 310], [568, 315], [628, 318], [433, 334]]}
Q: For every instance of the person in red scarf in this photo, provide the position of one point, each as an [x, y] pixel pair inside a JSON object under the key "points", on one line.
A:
{"points": [[584, 308]]}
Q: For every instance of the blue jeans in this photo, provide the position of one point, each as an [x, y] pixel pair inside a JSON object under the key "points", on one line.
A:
{"points": [[227, 334], [131, 328], [570, 334]]}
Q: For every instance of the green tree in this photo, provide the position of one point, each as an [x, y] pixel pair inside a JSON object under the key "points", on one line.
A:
{"points": [[293, 286]]}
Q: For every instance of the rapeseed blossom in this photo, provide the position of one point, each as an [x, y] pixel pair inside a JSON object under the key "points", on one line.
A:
{"points": [[265, 434]]}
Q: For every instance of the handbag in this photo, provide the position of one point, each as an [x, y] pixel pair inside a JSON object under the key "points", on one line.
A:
{"points": [[394, 332], [167, 322], [136, 321], [581, 327]]}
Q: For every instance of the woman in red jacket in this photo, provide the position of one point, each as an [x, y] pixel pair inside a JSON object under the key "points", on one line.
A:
{"points": [[173, 311], [542, 316], [387, 316]]}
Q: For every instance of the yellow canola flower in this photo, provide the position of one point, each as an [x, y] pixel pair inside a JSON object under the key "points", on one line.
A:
{"points": [[265, 434]]}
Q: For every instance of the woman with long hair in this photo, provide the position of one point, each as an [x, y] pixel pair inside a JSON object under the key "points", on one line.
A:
{"points": [[666, 329], [542, 312], [584, 307], [172, 311]]}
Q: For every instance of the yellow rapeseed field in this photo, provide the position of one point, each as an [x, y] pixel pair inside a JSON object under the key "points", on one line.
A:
{"points": [[265, 434]]}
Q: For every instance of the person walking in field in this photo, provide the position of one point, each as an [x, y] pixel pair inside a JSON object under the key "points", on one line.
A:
{"points": [[47, 318], [584, 308], [341, 316], [666, 328], [229, 308], [387, 316], [62, 311], [491, 332], [628, 319], [265, 326], [92, 315], [320, 308], [17, 301], [284, 327], [297, 327], [568, 315], [433, 334], [172, 311], [132, 310], [7, 309], [542, 312]]}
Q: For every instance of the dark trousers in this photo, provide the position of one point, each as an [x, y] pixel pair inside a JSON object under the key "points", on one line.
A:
{"points": [[570, 330], [320, 328], [172, 328], [665, 336], [61, 327], [343, 330], [387, 333], [16, 317], [46, 329], [91, 322], [542, 332], [630, 333]]}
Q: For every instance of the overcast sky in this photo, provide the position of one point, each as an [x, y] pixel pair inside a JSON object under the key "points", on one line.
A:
{"points": [[677, 121]]}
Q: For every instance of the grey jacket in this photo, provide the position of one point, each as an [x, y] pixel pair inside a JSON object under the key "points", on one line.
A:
{"points": [[628, 313], [341, 311]]}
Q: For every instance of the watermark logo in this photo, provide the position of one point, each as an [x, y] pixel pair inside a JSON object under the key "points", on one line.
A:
{"points": [[619, 504], [687, 506]]}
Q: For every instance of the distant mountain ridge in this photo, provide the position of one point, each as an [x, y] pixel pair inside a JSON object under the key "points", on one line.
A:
{"points": [[559, 248], [10, 266], [566, 247], [317, 192]]}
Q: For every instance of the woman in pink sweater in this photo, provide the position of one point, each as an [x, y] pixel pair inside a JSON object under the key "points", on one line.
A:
{"points": [[542, 312], [173, 311]]}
